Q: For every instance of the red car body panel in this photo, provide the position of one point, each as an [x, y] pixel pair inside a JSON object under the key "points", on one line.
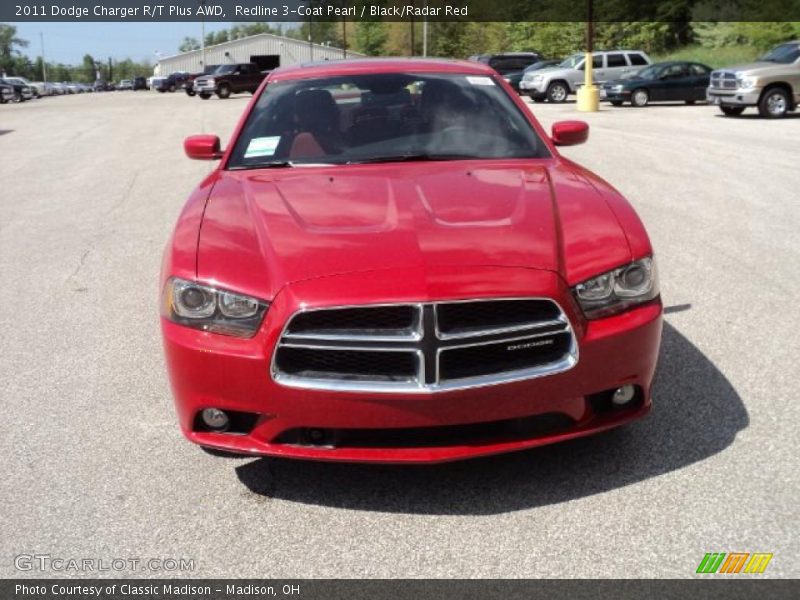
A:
{"points": [[394, 233]]}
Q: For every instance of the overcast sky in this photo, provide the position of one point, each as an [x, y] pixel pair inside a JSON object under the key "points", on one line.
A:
{"points": [[68, 42]]}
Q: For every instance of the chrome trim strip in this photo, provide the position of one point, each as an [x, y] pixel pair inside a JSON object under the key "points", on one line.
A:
{"points": [[499, 330]]}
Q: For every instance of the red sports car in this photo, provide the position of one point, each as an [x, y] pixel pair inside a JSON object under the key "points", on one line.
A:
{"points": [[393, 263]]}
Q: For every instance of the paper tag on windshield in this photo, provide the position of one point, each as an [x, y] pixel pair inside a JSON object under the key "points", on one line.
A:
{"points": [[480, 80], [263, 146]]}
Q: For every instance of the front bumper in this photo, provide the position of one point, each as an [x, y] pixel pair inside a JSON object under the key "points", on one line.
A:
{"points": [[733, 97], [533, 89], [205, 87], [611, 96], [208, 370]]}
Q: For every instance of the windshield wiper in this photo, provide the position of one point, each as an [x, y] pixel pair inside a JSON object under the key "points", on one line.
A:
{"points": [[267, 164], [410, 157]]}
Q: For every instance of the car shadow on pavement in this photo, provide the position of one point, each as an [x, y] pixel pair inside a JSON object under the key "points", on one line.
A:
{"points": [[754, 116], [696, 414]]}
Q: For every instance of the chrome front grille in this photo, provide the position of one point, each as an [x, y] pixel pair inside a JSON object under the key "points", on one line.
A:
{"points": [[424, 347], [723, 80]]}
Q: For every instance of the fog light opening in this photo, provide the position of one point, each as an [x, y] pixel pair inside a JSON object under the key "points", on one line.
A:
{"points": [[623, 396], [215, 419]]}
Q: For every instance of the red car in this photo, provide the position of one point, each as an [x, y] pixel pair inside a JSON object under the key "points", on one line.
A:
{"points": [[393, 263]]}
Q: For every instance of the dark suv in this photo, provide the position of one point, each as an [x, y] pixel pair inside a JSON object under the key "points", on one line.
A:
{"points": [[229, 79], [508, 62], [139, 83], [174, 82]]}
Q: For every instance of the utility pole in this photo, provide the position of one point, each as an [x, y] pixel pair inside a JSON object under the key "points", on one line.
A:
{"points": [[588, 94], [425, 37], [310, 34], [344, 38], [44, 62], [203, 36]]}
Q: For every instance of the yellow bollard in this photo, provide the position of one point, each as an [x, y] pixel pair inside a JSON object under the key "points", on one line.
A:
{"points": [[588, 94]]}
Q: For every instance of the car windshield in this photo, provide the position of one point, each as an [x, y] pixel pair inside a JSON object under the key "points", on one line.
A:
{"points": [[572, 61], [384, 117], [223, 69], [785, 53]]}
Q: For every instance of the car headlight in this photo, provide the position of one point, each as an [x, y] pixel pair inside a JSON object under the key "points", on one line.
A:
{"points": [[616, 88], [745, 83], [537, 78], [210, 309], [618, 290], [209, 82]]}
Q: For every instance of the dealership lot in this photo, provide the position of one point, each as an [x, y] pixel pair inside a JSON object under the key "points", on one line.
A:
{"points": [[96, 466]]}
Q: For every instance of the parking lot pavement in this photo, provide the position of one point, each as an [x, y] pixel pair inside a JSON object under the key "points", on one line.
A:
{"points": [[95, 465]]}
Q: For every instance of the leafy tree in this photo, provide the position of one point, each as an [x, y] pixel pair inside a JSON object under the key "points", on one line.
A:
{"points": [[188, 44], [370, 38], [88, 70], [9, 49]]}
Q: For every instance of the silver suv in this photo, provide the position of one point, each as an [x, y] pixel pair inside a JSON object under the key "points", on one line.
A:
{"points": [[557, 83]]}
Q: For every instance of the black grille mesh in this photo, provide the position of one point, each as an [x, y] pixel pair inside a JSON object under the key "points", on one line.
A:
{"points": [[347, 364], [463, 317], [361, 320], [502, 357]]}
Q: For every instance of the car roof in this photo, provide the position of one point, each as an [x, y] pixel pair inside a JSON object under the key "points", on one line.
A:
{"points": [[379, 65]]}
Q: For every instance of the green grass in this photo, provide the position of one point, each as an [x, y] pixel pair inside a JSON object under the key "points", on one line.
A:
{"points": [[713, 57]]}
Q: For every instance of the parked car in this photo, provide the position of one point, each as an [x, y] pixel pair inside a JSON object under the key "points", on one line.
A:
{"points": [[229, 79], [432, 268], [125, 85], [666, 81], [173, 82], [24, 82], [59, 89], [772, 84], [21, 91], [140, 83], [515, 78], [46, 88], [555, 84], [508, 62], [6, 93], [188, 83]]}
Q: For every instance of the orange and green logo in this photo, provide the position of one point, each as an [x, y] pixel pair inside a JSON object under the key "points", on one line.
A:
{"points": [[734, 562]]}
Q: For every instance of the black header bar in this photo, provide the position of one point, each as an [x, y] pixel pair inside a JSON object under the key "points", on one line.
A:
{"points": [[710, 587], [277, 11]]}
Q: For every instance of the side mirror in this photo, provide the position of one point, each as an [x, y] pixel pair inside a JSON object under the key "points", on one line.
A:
{"points": [[202, 147], [570, 133]]}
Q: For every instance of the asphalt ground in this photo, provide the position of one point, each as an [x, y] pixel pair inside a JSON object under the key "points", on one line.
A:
{"points": [[95, 466]]}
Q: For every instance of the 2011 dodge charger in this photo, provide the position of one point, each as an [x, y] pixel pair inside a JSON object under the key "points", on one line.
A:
{"points": [[393, 263]]}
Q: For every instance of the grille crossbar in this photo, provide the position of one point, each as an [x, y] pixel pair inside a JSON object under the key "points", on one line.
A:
{"points": [[424, 347]]}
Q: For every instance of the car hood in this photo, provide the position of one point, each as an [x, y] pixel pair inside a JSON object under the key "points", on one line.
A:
{"points": [[547, 71], [758, 68], [263, 229]]}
